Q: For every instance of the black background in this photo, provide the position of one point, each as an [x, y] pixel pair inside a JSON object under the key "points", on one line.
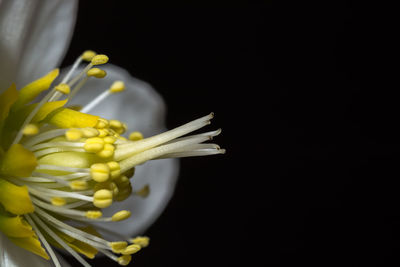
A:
{"points": [[306, 96]]}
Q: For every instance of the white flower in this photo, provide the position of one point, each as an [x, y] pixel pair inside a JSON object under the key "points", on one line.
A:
{"points": [[34, 36]]}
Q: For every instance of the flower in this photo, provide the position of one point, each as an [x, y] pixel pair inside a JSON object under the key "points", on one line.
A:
{"points": [[62, 168]]}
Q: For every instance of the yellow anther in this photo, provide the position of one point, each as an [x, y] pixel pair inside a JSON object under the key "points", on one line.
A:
{"points": [[58, 201], [144, 191], [94, 144], [142, 241], [103, 132], [101, 123], [115, 124], [73, 134], [107, 185], [129, 173], [78, 185], [31, 129], [131, 249], [121, 215], [122, 181], [107, 152], [115, 169], [93, 214], [96, 72], [110, 139], [124, 187], [100, 172], [124, 260], [90, 132], [135, 136], [117, 86], [118, 246], [63, 88], [99, 59], [88, 55], [102, 198]]}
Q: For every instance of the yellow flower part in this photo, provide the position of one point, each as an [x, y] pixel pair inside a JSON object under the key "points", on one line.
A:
{"points": [[32, 244], [15, 226], [15, 199], [60, 164], [18, 161], [32, 90]]}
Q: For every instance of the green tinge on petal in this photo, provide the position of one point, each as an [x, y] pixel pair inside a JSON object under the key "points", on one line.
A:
{"points": [[15, 226], [15, 199], [68, 118], [32, 90], [6, 100], [18, 161], [32, 244]]}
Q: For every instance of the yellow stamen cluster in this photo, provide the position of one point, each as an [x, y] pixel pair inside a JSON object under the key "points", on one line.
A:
{"points": [[59, 164]]}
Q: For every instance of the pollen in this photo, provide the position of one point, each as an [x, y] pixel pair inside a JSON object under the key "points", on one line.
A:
{"points": [[63, 88], [121, 215], [117, 86], [115, 169], [31, 129], [94, 144], [99, 59], [124, 260], [102, 198], [135, 136], [131, 249], [142, 241], [118, 246], [93, 214], [97, 73], [106, 152], [100, 172], [90, 132], [73, 134], [78, 185], [88, 55], [58, 201], [102, 123]]}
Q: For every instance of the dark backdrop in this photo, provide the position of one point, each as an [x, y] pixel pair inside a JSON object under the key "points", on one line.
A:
{"points": [[307, 100]]}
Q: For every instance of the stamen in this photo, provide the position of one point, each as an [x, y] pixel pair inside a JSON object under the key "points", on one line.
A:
{"points": [[60, 241], [131, 249], [121, 215], [97, 73], [102, 198], [116, 87], [88, 55], [43, 240], [99, 60], [31, 129], [63, 88], [135, 136], [44, 136]]}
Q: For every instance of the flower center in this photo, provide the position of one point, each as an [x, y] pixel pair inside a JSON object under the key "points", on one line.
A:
{"points": [[60, 165]]}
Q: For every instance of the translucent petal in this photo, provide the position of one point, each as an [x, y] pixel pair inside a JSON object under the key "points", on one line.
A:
{"points": [[25, 28]]}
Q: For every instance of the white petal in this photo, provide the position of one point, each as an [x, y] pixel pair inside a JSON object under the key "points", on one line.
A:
{"points": [[143, 109], [14, 256], [34, 36]]}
